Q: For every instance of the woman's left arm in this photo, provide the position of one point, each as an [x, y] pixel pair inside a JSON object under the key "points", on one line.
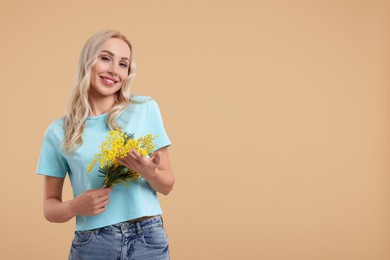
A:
{"points": [[156, 170]]}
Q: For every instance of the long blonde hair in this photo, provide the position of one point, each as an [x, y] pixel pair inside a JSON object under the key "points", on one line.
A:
{"points": [[78, 108]]}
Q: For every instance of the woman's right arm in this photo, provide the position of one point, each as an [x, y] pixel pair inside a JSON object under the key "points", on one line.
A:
{"points": [[89, 203]]}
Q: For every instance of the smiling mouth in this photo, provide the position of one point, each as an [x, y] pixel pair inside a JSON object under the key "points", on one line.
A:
{"points": [[108, 81]]}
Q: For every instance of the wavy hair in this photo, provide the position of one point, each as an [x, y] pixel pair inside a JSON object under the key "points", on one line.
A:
{"points": [[78, 107]]}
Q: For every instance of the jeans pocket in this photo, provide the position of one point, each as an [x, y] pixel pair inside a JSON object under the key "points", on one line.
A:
{"points": [[82, 238], [155, 237]]}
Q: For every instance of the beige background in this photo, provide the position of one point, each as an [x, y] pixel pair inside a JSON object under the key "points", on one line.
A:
{"points": [[278, 112]]}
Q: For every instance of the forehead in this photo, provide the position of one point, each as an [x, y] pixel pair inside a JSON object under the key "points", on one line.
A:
{"points": [[118, 47]]}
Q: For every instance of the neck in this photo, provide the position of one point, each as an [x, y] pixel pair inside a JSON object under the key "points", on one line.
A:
{"points": [[101, 105]]}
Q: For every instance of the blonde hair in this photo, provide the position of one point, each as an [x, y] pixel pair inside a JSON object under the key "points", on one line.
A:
{"points": [[78, 108]]}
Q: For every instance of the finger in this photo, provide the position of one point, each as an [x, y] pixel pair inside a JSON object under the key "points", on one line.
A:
{"points": [[127, 162], [102, 192], [140, 159], [102, 199], [108, 190], [132, 154], [129, 157], [122, 162], [136, 154], [103, 203], [106, 202], [99, 211], [131, 160]]}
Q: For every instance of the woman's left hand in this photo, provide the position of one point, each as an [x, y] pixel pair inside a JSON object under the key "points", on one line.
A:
{"points": [[156, 170], [145, 166]]}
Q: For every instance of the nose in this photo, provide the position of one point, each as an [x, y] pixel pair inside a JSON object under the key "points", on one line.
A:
{"points": [[112, 69]]}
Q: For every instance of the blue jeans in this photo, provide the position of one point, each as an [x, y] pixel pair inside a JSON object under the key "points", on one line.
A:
{"points": [[145, 239]]}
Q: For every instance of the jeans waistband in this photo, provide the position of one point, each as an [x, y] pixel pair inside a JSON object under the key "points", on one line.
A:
{"points": [[132, 227]]}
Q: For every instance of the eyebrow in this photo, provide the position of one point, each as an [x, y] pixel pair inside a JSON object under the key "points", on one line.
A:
{"points": [[112, 54]]}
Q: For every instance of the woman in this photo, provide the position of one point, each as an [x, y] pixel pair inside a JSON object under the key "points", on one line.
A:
{"points": [[123, 222]]}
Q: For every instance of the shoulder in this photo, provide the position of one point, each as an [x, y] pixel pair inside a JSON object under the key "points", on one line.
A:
{"points": [[145, 102], [140, 99], [56, 128], [140, 107]]}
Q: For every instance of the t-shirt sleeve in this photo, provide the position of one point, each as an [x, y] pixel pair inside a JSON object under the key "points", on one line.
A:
{"points": [[51, 162], [156, 126]]}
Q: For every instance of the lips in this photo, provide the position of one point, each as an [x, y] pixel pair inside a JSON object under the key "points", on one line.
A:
{"points": [[108, 81]]}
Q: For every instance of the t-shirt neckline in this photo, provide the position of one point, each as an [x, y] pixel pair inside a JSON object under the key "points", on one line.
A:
{"points": [[102, 116]]}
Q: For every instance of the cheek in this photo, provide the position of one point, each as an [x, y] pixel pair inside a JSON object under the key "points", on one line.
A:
{"points": [[94, 76], [124, 75], [93, 79], [99, 66]]}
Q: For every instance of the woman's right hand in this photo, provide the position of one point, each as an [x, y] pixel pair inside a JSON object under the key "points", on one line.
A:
{"points": [[91, 202]]}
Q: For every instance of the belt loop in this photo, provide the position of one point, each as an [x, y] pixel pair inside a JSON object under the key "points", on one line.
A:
{"points": [[123, 228], [139, 230]]}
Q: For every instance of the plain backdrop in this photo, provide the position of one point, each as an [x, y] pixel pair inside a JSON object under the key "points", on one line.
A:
{"points": [[278, 113]]}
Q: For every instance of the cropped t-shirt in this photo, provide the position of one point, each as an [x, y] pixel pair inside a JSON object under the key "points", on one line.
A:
{"points": [[127, 201]]}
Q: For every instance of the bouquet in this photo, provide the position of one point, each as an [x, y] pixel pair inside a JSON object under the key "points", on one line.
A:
{"points": [[117, 144]]}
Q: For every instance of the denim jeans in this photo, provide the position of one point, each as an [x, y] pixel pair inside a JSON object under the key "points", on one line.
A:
{"points": [[145, 239]]}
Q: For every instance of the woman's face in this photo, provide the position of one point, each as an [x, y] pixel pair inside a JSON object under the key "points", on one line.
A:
{"points": [[110, 69]]}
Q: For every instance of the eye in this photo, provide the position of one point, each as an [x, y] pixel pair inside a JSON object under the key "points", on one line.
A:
{"points": [[105, 58], [124, 65]]}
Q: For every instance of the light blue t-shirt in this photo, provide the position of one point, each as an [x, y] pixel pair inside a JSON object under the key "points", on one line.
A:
{"points": [[134, 200]]}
